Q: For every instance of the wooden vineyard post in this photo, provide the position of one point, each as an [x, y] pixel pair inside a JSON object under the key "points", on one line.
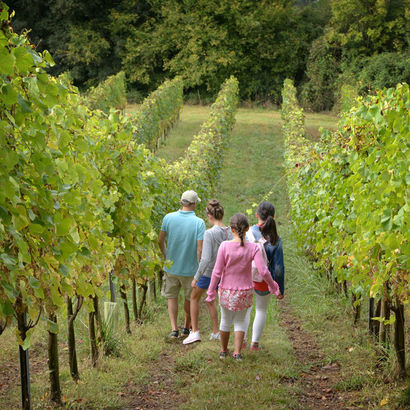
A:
{"points": [[374, 311], [110, 309], [24, 363], [356, 308], [53, 365], [72, 354], [371, 314], [384, 329], [93, 339], [399, 338], [160, 276], [143, 299], [134, 300], [98, 319], [112, 287], [123, 294], [345, 288]]}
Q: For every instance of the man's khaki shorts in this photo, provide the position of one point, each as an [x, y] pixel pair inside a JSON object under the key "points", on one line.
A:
{"points": [[171, 285]]}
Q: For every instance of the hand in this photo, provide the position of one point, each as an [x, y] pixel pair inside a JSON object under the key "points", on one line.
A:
{"points": [[193, 283], [210, 297], [280, 296], [275, 290]]}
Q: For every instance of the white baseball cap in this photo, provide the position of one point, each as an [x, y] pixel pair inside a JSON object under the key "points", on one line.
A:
{"points": [[190, 196]]}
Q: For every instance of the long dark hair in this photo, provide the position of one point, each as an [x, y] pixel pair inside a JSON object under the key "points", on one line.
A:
{"points": [[239, 222], [215, 209], [266, 212]]}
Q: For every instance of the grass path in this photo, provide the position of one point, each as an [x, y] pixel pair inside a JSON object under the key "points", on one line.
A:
{"points": [[249, 171], [180, 136]]}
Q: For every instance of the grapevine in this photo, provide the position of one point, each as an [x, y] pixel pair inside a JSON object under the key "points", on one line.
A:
{"points": [[348, 196]]}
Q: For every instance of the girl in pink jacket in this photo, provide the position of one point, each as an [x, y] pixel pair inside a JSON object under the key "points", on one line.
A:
{"points": [[233, 271]]}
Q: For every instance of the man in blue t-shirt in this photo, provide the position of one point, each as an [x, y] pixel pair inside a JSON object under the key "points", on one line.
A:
{"points": [[183, 233]]}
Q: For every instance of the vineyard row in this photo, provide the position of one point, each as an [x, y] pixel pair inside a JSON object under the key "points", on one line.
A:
{"points": [[81, 195], [349, 203]]}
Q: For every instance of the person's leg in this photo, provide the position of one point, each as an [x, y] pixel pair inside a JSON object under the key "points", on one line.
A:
{"points": [[195, 298], [224, 340], [186, 283], [262, 303], [240, 323], [247, 321], [225, 327], [187, 309], [238, 340], [213, 313], [170, 290], [173, 312]]}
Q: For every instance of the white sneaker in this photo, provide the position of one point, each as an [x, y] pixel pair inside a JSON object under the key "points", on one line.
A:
{"points": [[193, 337], [215, 336]]}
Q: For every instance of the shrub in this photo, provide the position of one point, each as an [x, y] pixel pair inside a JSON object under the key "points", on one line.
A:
{"points": [[384, 71]]}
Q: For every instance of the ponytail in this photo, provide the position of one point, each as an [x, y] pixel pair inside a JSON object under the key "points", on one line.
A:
{"points": [[266, 212], [269, 231], [241, 234]]}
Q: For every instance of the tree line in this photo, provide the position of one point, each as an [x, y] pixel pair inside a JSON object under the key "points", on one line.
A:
{"points": [[321, 44]]}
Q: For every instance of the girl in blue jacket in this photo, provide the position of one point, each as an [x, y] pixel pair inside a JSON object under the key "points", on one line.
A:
{"points": [[266, 228]]}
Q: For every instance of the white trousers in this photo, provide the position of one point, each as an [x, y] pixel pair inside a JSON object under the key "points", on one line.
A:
{"points": [[238, 318], [261, 308]]}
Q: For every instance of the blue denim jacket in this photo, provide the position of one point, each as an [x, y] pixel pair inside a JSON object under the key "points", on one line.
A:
{"points": [[276, 263]]}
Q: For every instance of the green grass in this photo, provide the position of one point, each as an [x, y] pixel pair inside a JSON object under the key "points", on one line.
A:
{"points": [[253, 163], [180, 136], [315, 121]]}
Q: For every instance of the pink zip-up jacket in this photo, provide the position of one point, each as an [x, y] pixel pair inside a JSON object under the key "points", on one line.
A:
{"points": [[233, 268]]}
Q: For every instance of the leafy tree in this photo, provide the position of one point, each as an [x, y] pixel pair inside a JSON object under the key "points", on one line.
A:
{"points": [[261, 42], [357, 33], [318, 94], [205, 41], [97, 37], [366, 27], [85, 37]]}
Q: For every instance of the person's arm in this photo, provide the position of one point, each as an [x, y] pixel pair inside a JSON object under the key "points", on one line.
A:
{"points": [[264, 272], [199, 249], [280, 269], [161, 242], [216, 274], [205, 257], [200, 238]]}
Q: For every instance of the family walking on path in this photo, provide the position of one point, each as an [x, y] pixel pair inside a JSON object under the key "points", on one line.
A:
{"points": [[236, 260]]}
